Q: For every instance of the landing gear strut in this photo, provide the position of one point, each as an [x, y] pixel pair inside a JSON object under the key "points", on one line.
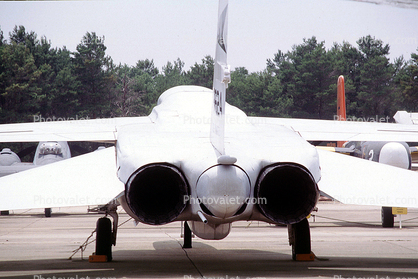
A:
{"points": [[187, 235], [300, 240]]}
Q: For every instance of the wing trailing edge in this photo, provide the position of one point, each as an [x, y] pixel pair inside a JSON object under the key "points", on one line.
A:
{"points": [[353, 180], [88, 179]]}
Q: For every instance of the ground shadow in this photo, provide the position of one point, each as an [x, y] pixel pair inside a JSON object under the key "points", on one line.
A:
{"points": [[168, 260]]}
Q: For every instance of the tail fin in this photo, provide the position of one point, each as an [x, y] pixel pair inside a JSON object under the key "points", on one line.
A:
{"points": [[341, 113], [221, 78]]}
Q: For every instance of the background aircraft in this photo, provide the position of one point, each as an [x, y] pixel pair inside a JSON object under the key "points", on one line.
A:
{"points": [[397, 154], [408, 118], [223, 168], [46, 152]]}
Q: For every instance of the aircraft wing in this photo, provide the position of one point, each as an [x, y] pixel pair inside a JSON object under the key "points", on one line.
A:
{"points": [[357, 181], [88, 179], [310, 129], [408, 4], [330, 130], [102, 129]]}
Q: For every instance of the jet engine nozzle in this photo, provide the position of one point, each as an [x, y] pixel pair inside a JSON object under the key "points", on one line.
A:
{"points": [[223, 190], [395, 154], [289, 192], [155, 193]]}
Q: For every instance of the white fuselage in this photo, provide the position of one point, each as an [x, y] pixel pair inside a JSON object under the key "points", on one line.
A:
{"points": [[180, 137]]}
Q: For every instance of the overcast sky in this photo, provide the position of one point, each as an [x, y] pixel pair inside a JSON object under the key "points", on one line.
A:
{"points": [[165, 30]]}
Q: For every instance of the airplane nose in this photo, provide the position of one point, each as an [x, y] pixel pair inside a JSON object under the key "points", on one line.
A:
{"points": [[394, 154], [223, 190]]}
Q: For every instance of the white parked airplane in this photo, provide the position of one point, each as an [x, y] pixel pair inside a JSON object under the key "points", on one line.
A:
{"points": [[397, 154], [195, 158], [46, 152]]}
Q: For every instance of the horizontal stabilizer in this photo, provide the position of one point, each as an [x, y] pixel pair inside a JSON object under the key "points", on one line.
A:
{"points": [[88, 179], [353, 180]]}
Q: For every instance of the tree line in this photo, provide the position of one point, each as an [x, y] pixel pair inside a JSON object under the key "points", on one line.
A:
{"points": [[37, 80]]}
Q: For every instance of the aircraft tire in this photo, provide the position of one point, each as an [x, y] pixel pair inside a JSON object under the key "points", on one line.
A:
{"points": [[301, 238], [48, 212], [387, 217], [104, 238]]}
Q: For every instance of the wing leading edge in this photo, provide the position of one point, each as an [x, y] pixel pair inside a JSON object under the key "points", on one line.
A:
{"points": [[101, 130], [333, 130]]}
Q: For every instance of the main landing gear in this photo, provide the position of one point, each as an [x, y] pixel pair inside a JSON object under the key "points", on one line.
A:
{"points": [[105, 233], [300, 240], [48, 212], [299, 237]]}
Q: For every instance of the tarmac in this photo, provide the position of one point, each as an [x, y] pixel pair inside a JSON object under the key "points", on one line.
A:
{"points": [[348, 241]]}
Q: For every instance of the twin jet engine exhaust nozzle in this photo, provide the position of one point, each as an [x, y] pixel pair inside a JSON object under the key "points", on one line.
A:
{"points": [[156, 193]]}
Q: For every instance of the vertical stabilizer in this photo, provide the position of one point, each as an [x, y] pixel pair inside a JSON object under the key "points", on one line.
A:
{"points": [[221, 78], [341, 113]]}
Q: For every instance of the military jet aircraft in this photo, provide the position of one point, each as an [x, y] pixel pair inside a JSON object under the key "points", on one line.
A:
{"points": [[397, 154], [46, 152], [197, 159]]}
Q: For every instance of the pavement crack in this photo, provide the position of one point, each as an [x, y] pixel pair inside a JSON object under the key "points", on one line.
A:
{"points": [[398, 243], [347, 221], [187, 255], [22, 228]]}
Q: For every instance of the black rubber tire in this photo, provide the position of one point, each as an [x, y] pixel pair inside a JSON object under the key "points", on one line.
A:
{"points": [[48, 212], [104, 238], [388, 219], [302, 238]]}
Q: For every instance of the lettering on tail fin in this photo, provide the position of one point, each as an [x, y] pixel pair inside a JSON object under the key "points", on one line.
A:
{"points": [[341, 113], [221, 78], [218, 106]]}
